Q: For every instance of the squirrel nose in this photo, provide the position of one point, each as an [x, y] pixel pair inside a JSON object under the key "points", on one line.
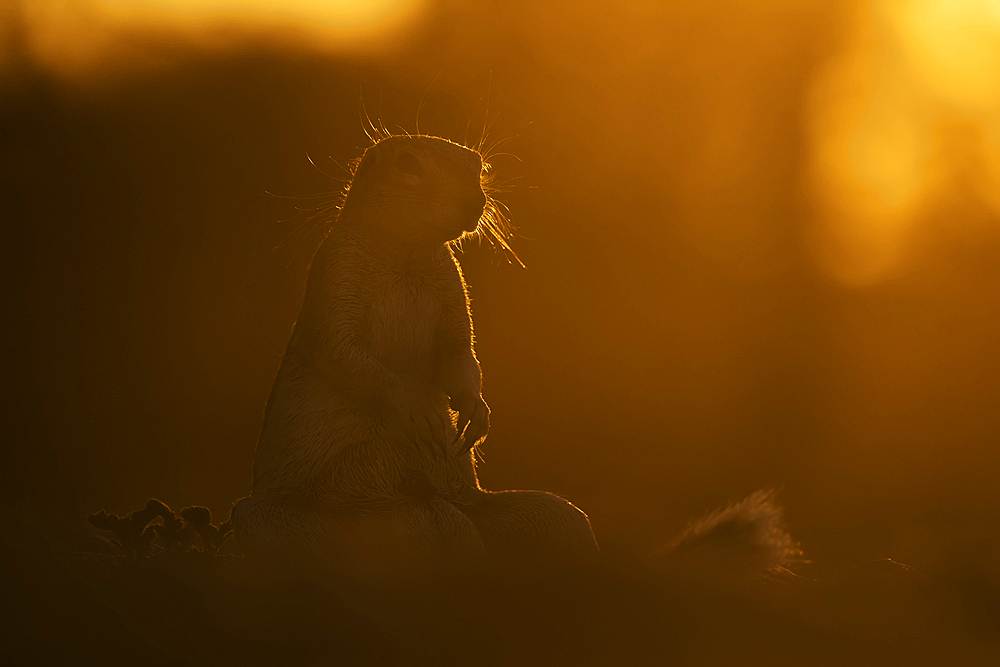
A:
{"points": [[477, 203], [474, 206]]}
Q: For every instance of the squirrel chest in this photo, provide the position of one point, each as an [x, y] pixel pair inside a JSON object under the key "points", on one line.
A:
{"points": [[401, 326]]}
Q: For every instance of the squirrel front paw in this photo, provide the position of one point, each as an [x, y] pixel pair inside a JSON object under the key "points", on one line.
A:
{"points": [[427, 425], [473, 419]]}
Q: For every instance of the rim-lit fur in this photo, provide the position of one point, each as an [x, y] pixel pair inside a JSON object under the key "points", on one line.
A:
{"points": [[385, 333]]}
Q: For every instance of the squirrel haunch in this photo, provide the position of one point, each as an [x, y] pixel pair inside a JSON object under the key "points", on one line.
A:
{"points": [[360, 457]]}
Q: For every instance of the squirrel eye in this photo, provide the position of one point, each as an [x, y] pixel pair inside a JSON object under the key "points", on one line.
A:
{"points": [[407, 163]]}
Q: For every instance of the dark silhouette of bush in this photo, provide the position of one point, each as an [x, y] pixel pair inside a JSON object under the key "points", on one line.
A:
{"points": [[135, 533], [171, 529], [132, 533], [212, 537]]}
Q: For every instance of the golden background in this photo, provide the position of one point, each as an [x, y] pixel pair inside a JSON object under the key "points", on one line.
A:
{"points": [[761, 238]]}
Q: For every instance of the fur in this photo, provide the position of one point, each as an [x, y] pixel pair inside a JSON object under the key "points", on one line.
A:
{"points": [[746, 538], [364, 459]]}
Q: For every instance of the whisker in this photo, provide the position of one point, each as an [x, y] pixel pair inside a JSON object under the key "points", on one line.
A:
{"points": [[421, 103], [486, 118]]}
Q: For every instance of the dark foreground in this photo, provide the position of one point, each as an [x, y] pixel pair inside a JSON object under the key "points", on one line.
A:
{"points": [[197, 608]]}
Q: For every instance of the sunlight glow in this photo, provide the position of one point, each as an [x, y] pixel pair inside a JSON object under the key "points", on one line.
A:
{"points": [[348, 19], [893, 122], [955, 45], [81, 37]]}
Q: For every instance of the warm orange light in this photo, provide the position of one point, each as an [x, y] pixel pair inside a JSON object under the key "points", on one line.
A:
{"points": [[79, 37], [350, 20], [883, 119], [954, 47]]}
